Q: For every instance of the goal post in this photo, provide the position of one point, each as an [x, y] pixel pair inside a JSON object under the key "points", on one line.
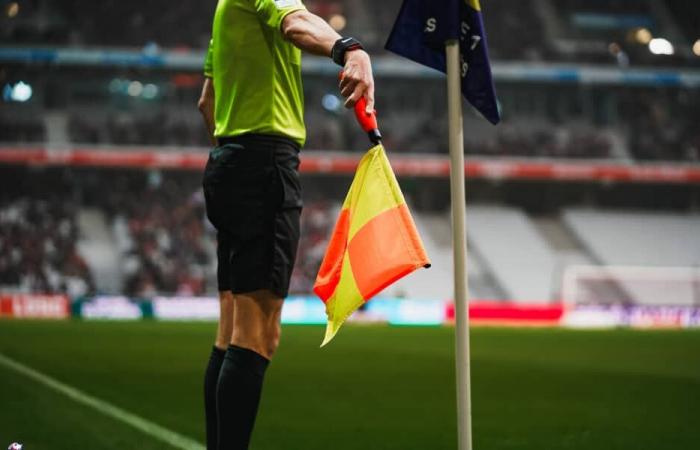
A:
{"points": [[608, 296]]}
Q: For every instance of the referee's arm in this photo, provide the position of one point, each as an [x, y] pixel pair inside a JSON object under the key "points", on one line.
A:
{"points": [[312, 34], [206, 107], [206, 99]]}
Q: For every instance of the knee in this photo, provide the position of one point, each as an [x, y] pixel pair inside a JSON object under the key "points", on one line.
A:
{"points": [[257, 322], [262, 340], [272, 341]]}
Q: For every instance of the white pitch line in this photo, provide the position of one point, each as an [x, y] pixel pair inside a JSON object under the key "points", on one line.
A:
{"points": [[156, 431]]}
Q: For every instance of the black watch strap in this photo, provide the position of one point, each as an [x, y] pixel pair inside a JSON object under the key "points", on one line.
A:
{"points": [[342, 46]]}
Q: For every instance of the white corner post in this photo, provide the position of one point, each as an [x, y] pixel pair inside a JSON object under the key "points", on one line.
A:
{"points": [[459, 245]]}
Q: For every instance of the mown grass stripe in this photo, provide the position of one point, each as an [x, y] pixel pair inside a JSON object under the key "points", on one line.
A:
{"points": [[146, 426]]}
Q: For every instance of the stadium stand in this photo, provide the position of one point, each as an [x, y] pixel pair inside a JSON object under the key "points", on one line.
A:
{"points": [[650, 127], [436, 282], [686, 17], [637, 238], [144, 231], [642, 258], [317, 221], [663, 127], [38, 236], [162, 236], [510, 242], [518, 30], [21, 129], [97, 246], [544, 120], [77, 22]]}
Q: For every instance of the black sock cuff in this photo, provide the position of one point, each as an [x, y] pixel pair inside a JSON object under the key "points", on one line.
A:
{"points": [[217, 354], [248, 359]]}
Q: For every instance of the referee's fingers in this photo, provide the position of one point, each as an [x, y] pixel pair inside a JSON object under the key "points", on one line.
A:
{"points": [[349, 88], [369, 96], [357, 93], [346, 77]]}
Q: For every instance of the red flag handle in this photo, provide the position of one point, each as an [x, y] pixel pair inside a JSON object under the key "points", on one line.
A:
{"points": [[367, 121]]}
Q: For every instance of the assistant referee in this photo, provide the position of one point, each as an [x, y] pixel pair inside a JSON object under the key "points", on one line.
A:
{"points": [[252, 102]]}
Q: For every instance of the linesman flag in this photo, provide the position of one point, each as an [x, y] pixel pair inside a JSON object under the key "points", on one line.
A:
{"points": [[374, 242], [420, 33]]}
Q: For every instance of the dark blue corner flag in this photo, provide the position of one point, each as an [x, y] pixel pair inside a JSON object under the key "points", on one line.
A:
{"points": [[420, 33]]}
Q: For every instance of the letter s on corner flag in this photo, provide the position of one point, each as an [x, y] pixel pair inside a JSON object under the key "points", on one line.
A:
{"points": [[374, 243], [420, 33]]}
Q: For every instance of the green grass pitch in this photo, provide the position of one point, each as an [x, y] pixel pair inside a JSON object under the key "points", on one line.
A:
{"points": [[373, 387]]}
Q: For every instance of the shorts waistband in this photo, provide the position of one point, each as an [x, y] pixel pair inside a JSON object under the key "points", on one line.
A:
{"points": [[261, 141]]}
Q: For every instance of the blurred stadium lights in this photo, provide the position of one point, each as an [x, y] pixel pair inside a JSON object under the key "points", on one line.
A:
{"points": [[643, 36], [19, 92], [331, 102], [337, 21], [696, 48], [12, 9], [133, 88], [151, 49], [115, 86], [661, 46], [190, 62], [150, 91]]}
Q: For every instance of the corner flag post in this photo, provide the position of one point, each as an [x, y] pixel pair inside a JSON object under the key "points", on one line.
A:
{"points": [[459, 245], [449, 36]]}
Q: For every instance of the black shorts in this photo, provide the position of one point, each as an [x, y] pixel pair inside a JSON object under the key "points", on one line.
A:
{"points": [[253, 199]]}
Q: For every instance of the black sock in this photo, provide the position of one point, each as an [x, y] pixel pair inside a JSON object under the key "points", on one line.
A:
{"points": [[238, 396], [211, 379]]}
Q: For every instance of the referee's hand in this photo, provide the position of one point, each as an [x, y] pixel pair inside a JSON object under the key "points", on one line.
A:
{"points": [[357, 80]]}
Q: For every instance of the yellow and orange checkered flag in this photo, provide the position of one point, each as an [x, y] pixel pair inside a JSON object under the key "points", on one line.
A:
{"points": [[374, 243]]}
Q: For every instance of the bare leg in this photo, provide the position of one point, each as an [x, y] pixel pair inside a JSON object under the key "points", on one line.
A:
{"points": [[256, 322], [224, 329], [255, 336]]}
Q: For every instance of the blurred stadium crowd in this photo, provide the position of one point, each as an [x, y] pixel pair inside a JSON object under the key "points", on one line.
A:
{"points": [[151, 224], [534, 30], [137, 107], [38, 247]]}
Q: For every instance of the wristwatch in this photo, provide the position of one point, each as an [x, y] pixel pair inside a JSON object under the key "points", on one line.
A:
{"points": [[342, 46]]}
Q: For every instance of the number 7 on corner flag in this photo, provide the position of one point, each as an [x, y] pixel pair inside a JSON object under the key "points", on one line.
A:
{"points": [[420, 33]]}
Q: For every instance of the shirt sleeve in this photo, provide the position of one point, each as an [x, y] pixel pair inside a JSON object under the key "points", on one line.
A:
{"points": [[272, 12], [209, 61]]}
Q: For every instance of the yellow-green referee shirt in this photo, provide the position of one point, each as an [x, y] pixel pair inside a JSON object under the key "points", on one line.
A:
{"points": [[256, 72]]}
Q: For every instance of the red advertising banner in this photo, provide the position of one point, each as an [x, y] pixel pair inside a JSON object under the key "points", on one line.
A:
{"points": [[346, 163], [32, 306], [508, 313]]}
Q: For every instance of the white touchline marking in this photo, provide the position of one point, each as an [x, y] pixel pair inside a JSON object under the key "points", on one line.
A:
{"points": [[106, 408]]}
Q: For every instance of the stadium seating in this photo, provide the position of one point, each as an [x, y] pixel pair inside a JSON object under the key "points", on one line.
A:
{"points": [[163, 243], [550, 120], [317, 221], [520, 30], [38, 252], [81, 231], [520, 258], [637, 238], [110, 242], [436, 282], [23, 129], [646, 258], [641, 124]]}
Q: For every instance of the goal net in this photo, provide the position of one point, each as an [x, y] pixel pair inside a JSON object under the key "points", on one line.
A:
{"points": [[632, 296]]}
